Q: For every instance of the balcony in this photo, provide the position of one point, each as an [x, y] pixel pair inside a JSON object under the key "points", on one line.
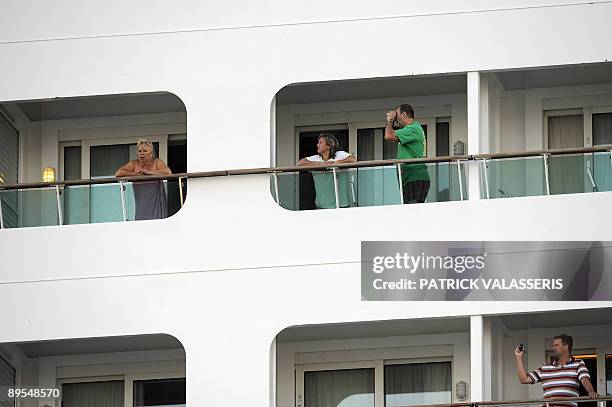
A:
{"points": [[76, 146], [442, 362], [117, 371], [507, 122]]}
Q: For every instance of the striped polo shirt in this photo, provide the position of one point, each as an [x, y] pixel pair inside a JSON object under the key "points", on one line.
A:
{"points": [[561, 380]]}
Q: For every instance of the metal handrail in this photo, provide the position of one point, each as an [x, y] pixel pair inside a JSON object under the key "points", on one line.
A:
{"points": [[519, 402], [305, 168]]}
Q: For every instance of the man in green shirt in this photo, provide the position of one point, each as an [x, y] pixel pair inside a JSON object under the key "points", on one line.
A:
{"points": [[411, 144]]}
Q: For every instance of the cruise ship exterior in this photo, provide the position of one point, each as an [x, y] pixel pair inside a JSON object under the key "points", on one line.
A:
{"points": [[244, 292]]}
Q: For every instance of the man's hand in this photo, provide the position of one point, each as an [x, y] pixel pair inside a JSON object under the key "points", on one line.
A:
{"points": [[391, 115], [593, 395], [518, 353]]}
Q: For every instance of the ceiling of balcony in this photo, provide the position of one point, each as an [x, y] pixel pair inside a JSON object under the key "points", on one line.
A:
{"points": [[101, 106], [374, 329], [99, 345], [576, 317], [576, 75], [378, 88], [375, 88]]}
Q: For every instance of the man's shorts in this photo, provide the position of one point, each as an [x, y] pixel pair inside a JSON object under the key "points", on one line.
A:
{"points": [[415, 191]]}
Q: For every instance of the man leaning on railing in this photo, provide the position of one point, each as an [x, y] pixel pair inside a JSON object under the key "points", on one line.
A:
{"points": [[328, 152], [562, 377], [150, 196]]}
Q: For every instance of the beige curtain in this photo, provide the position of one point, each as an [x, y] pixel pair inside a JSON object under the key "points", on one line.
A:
{"points": [[567, 171], [93, 394], [339, 388]]}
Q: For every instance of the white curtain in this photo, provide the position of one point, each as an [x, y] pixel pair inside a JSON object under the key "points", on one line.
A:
{"points": [[93, 394], [339, 388], [418, 383]]}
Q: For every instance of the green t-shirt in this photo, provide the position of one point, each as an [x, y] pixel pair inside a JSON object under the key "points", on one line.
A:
{"points": [[411, 145]]}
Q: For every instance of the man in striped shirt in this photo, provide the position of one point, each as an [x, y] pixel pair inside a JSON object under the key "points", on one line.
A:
{"points": [[562, 378]]}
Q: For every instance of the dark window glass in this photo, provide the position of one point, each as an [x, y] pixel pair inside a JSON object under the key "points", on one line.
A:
{"points": [[442, 139], [160, 392], [602, 129], [72, 163]]}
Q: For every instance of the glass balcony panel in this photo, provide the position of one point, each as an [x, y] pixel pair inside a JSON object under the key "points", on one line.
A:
{"points": [[568, 174], [515, 177], [602, 171], [37, 207], [376, 186], [288, 190], [315, 189], [10, 208], [444, 182], [105, 203], [76, 204]]}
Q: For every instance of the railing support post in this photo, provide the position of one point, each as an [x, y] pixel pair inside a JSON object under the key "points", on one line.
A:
{"points": [[123, 211], [547, 180], [460, 179], [60, 215], [336, 188], [591, 179], [401, 185], [275, 177], [1, 217], [486, 178], [180, 180]]}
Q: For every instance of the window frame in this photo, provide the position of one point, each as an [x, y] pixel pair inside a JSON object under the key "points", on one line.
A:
{"points": [[87, 144], [379, 373], [321, 128], [128, 381], [588, 121], [130, 378], [587, 112], [562, 112], [430, 122]]}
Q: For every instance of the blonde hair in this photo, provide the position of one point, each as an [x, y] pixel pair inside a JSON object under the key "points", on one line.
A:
{"points": [[145, 142]]}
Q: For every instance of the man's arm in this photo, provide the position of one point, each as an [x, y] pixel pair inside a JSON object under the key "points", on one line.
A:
{"points": [[524, 378], [585, 379], [160, 168], [306, 161], [349, 159], [126, 170], [389, 132], [586, 382]]}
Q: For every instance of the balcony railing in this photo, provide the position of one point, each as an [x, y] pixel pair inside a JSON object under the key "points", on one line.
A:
{"points": [[601, 401], [503, 175], [359, 184]]}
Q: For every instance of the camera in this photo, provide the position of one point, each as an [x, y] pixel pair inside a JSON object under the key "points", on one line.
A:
{"points": [[520, 347]]}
